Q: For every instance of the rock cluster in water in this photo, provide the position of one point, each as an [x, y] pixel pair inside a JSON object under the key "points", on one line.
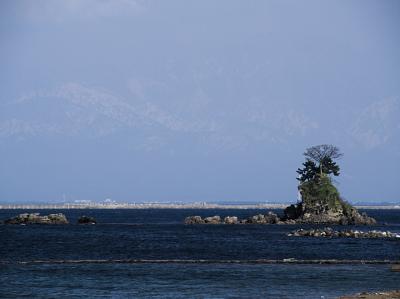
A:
{"points": [[320, 204], [318, 213], [328, 232], [86, 220], [35, 218], [269, 218], [272, 218], [374, 295]]}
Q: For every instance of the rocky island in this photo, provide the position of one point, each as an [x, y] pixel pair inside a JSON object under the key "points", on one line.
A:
{"points": [[87, 220], [320, 201], [269, 218], [321, 204], [375, 295], [328, 232], [35, 218]]}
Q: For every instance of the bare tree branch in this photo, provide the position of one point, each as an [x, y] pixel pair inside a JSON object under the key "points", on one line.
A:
{"points": [[319, 152]]}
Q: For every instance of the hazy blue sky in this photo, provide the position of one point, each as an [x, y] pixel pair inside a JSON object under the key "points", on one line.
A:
{"points": [[196, 100]]}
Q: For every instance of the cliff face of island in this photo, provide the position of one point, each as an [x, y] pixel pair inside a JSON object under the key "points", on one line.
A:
{"points": [[321, 203]]}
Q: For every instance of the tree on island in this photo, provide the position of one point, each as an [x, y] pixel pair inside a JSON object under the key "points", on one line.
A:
{"points": [[319, 162], [320, 199]]}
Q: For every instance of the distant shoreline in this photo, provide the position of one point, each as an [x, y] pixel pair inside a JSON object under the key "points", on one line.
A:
{"points": [[138, 206]]}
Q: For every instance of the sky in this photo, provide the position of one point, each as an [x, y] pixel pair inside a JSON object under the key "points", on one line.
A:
{"points": [[196, 100]]}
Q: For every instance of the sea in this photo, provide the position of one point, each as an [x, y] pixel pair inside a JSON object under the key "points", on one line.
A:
{"points": [[151, 253]]}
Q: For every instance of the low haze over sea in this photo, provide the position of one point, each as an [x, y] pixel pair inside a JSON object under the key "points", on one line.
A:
{"points": [[151, 253]]}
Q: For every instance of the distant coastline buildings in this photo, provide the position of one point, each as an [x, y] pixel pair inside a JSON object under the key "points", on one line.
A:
{"points": [[112, 204]]}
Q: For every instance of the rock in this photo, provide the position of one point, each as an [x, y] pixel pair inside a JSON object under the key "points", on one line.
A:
{"points": [[321, 204], [288, 221], [86, 220], [293, 212], [35, 218], [269, 218], [375, 295], [395, 268], [329, 232], [57, 218], [272, 218], [194, 220], [230, 220], [212, 220], [257, 219]]}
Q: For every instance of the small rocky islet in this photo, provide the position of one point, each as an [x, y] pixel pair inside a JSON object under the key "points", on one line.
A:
{"points": [[395, 294], [320, 201], [87, 220], [328, 232], [313, 209], [36, 218]]}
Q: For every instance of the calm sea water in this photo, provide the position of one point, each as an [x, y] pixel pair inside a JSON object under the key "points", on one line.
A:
{"points": [[161, 235]]}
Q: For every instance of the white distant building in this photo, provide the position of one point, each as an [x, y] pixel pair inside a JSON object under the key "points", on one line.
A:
{"points": [[83, 202], [109, 201]]}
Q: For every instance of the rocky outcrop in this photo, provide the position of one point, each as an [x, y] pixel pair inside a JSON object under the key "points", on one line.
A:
{"points": [[231, 220], [322, 204], [292, 215], [328, 232], [302, 214], [269, 218], [354, 217], [86, 220], [375, 295], [194, 220], [212, 220], [35, 218]]}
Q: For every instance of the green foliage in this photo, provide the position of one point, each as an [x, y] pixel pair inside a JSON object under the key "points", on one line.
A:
{"points": [[327, 166], [321, 194], [321, 201], [319, 163], [318, 193], [309, 171]]}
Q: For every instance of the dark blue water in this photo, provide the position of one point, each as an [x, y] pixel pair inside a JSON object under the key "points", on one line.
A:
{"points": [[160, 235]]}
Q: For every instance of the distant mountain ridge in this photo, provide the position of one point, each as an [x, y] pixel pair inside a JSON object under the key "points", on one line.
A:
{"points": [[72, 109]]}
